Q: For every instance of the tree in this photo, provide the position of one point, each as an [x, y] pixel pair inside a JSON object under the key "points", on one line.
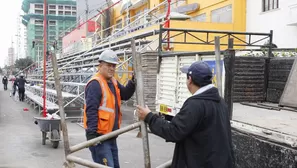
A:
{"points": [[23, 63]]}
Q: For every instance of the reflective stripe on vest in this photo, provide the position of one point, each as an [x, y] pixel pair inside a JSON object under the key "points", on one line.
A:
{"points": [[104, 100]]}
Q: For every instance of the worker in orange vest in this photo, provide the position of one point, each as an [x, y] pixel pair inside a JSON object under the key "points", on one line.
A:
{"points": [[102, 109]]}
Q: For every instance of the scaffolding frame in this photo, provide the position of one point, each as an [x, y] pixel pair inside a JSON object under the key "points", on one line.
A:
{"points": [[208, 41]]}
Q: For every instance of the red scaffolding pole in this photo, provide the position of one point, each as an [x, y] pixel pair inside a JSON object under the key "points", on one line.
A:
{"points": [[44, 55], [167, 23]]}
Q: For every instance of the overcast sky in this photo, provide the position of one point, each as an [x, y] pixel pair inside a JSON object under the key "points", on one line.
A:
{"points": [[8, 16]]}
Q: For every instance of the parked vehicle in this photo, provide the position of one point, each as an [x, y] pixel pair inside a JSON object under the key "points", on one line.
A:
{"points": [[171, 83]]}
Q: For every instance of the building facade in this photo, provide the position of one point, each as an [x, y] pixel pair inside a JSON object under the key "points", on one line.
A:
{"points": [[277, 15], [11, 56], [61, 15], [77, 40], [131, 17], [221, 15], [21, 39], [88, 9]]}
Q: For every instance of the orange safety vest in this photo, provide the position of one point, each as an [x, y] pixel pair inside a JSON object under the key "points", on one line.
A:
{"points": [[106, 110]]}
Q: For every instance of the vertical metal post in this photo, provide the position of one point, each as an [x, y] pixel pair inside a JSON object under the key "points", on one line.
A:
{"points": [[159, 49], [44, 55], [140, 101], [229, 61], [270, 44], [218, 65], [61, 108], [160, 39], [87, 16], [168, 24], [267, 66], [230, 43], [38, 63]]}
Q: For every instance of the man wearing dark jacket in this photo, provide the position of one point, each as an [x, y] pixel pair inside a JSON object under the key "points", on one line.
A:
{"points": [[5, 82], [21, 86], [201, 129]]}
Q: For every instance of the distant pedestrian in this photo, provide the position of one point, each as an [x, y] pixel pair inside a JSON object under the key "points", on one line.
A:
{"points": [[201, 129], [5, 82], [21, 86]]}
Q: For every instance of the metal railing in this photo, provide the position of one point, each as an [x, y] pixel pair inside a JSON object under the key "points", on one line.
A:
{"points": [[95, 141]]}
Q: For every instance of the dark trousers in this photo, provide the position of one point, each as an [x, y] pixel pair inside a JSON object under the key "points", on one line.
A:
{"points": [[5, 86], [14, 90], [22, 94], [106, 153]]}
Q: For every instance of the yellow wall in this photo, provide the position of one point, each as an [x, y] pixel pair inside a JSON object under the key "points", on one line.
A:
{"points": [[202, 36], [205, 6], [118, 15]]}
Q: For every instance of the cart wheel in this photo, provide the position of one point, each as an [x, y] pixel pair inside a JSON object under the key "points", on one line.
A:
{"points": [[56, 137], [43, 137]]}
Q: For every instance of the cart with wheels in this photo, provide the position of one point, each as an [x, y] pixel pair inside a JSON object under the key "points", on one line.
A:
{"points": [[50, 129]]}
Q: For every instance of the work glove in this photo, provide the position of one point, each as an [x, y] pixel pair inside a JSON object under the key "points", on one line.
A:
{"points": [[133, 78]]}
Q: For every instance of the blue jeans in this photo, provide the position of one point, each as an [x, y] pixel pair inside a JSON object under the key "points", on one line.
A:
{"points": [[106, 153]]}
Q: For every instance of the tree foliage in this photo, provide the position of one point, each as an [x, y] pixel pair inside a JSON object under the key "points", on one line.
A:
{"points": [[23, 63]]}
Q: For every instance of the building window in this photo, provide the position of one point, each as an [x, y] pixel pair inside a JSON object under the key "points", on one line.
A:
{"points": [[67, 13], [52, 22], [40, 22], [38, 6], [73, 13], [222, 15], [38, 11], [52, 6], [61, 13], [73, 7], [52, 12], [68, 7], [61, 7], [199, 18], [270, 4]]}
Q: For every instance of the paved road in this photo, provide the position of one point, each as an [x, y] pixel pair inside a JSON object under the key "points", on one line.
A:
{"points": [[21, 147]]}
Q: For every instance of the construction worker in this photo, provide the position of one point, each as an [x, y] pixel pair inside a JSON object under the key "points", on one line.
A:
{"points": [[102, 111], [5, 82], [21, 86], [201, 129]]}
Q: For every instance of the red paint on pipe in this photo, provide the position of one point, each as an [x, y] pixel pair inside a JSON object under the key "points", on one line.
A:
{"points": [[44, 55]]}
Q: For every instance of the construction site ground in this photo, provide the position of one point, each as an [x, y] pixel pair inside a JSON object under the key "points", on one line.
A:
{"points": [[21, 146]]}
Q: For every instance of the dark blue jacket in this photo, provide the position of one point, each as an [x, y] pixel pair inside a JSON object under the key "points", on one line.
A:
{"points": [[201, 131], [93, 95], [21, 82]]}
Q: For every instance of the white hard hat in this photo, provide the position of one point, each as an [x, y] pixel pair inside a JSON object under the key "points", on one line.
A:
{"points": [[108, 56], [21, 74]]}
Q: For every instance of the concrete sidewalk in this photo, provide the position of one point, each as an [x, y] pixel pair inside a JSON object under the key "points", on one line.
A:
{"points": [[21, 146]]}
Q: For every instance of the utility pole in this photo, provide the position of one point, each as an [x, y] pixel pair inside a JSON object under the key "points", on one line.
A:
{"points": [[87, 16]]}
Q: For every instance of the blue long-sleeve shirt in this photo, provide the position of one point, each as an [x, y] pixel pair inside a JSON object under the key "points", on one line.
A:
{"points": [[93, 95]]}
